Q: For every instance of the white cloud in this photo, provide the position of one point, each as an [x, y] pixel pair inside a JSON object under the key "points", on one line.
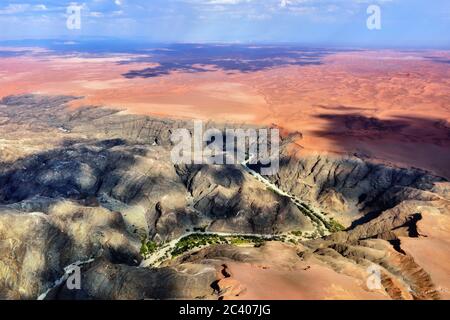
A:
{"points": [[21, 8], [40, 7], [284, 3], [95, 14]]}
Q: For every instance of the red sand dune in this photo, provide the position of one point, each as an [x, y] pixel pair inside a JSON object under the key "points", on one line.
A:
{"points": [[279, 274], [317, 283]]}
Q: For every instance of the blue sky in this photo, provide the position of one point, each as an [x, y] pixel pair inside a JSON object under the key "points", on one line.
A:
{"points": [[409, 23]]}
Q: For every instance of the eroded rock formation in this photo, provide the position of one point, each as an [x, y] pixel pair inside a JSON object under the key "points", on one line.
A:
{"points": [[91, 183]]}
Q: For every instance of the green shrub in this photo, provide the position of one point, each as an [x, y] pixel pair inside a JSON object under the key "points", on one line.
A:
{"points": [[297, 233], [196, 240], [148, 247], [334, 226]]}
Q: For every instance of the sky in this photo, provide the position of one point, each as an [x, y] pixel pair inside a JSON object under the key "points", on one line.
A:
{"points": [[404, 23]]}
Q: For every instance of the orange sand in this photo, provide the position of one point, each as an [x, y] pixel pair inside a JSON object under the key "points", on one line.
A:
{"points": [[316, 283]]}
